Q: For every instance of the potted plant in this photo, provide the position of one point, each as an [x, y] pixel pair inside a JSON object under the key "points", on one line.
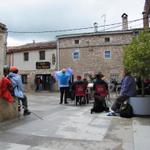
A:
{"points": [[136, 58]]}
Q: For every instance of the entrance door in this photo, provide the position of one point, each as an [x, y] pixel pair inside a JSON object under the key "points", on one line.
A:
{"points": [[45, 80]]}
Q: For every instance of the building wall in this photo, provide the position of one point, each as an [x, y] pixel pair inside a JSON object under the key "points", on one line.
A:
{"points": [[28, 68], [92, 50], [3, 41], [33, 58]]}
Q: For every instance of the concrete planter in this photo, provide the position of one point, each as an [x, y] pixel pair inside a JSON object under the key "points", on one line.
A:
{"points": [[7, 110], [140, 105]]}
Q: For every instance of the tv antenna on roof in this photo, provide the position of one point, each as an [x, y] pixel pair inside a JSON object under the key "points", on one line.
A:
{"points": [[104, 16]]}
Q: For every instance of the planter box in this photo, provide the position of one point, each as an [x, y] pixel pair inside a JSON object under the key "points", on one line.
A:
{"points": [[7, 110], [140, 105]]}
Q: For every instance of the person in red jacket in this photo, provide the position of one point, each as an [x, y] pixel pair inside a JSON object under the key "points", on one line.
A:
{"points": [[6, 86]]}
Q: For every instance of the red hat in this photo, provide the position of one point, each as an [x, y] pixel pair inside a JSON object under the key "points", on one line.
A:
{"points": [[13, 68]]}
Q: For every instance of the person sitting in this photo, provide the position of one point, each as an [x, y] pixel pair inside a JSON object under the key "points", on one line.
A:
{"points": [[128, 89], [6, 86], [18, 89]]}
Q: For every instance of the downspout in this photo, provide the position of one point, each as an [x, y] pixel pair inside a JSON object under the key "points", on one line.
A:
{"points": [[58, 55], [5, 48]]}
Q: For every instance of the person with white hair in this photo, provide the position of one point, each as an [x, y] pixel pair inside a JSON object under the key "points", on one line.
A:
{"points": [[63, 77]]}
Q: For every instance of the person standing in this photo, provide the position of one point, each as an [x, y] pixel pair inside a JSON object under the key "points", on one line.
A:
{"points": [[79, 88], [63, 78]]}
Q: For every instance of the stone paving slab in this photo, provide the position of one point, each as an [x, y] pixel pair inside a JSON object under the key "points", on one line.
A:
{"points": [[66, 127]]}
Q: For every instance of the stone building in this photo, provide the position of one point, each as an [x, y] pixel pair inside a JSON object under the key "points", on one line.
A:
{"points": [[34, 60], [3, 43], [89, 53], [146, 13]]}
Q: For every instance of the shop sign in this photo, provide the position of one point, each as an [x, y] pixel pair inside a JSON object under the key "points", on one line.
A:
{"points": [[43, 65]]}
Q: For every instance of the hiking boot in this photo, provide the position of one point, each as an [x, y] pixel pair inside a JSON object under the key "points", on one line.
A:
{"points": [[19, 109], [106, 109], [26, 112], [91, 111]]}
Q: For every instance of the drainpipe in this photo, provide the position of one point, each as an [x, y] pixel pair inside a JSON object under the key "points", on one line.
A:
{"points": [[5, 47], [58, 55]]}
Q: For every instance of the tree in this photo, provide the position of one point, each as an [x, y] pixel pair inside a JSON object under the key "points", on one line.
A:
{"points": [[136, 56]]}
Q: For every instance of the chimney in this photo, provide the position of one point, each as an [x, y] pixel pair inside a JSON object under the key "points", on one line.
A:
{"points": [[95, 27], [124, 21], [146, 14]]}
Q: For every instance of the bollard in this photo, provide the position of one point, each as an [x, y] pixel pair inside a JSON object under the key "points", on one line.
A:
{"points": [[8, 111]]}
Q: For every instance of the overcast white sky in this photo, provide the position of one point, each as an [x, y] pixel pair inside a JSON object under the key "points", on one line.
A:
{"points": [[50, 15]]}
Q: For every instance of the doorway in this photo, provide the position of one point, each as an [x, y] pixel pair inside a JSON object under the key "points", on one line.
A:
{"points": [[46, 81]]}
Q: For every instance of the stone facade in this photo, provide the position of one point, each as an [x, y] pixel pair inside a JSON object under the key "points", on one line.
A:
{"points": [[3, 42], [146, 14], [34, 66], [92, 49]]}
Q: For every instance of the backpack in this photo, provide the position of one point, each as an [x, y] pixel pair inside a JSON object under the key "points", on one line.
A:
{"points": [[101, 90], [2, 85], [126, 110], [99, 104], [6, 89]]}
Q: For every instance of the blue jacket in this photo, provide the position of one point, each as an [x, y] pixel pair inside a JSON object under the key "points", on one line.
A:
{"points": [[128, 86], [17, 84], [63, 79]]}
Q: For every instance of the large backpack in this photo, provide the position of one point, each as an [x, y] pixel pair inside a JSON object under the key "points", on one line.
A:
{"points": [[99, 104], [126, 110], [6, 89], [101, 90]]}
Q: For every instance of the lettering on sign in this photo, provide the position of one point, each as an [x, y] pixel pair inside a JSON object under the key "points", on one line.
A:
{"points": [[43, 65]]}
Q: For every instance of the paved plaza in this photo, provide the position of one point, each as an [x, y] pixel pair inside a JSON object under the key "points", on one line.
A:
{"points": [[52, 126]]}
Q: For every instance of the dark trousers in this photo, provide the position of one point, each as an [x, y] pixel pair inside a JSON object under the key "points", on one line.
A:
{"points": [[64, 94], [117, 104], [79, 99], [24, 102]]}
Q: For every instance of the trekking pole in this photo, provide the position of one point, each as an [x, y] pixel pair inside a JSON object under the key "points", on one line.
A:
{"points": [[37, 115]]}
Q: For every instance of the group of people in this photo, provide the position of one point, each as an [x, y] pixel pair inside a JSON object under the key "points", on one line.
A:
{"points": [[76, 90], [100, 89], [11, 88]]}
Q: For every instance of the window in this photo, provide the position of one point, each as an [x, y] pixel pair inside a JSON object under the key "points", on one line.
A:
{"points": [[26, 56], [76, 55], [24, 78], [53, 59], [107, 54], [42, 55], [76, 41], [107, 39]]}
